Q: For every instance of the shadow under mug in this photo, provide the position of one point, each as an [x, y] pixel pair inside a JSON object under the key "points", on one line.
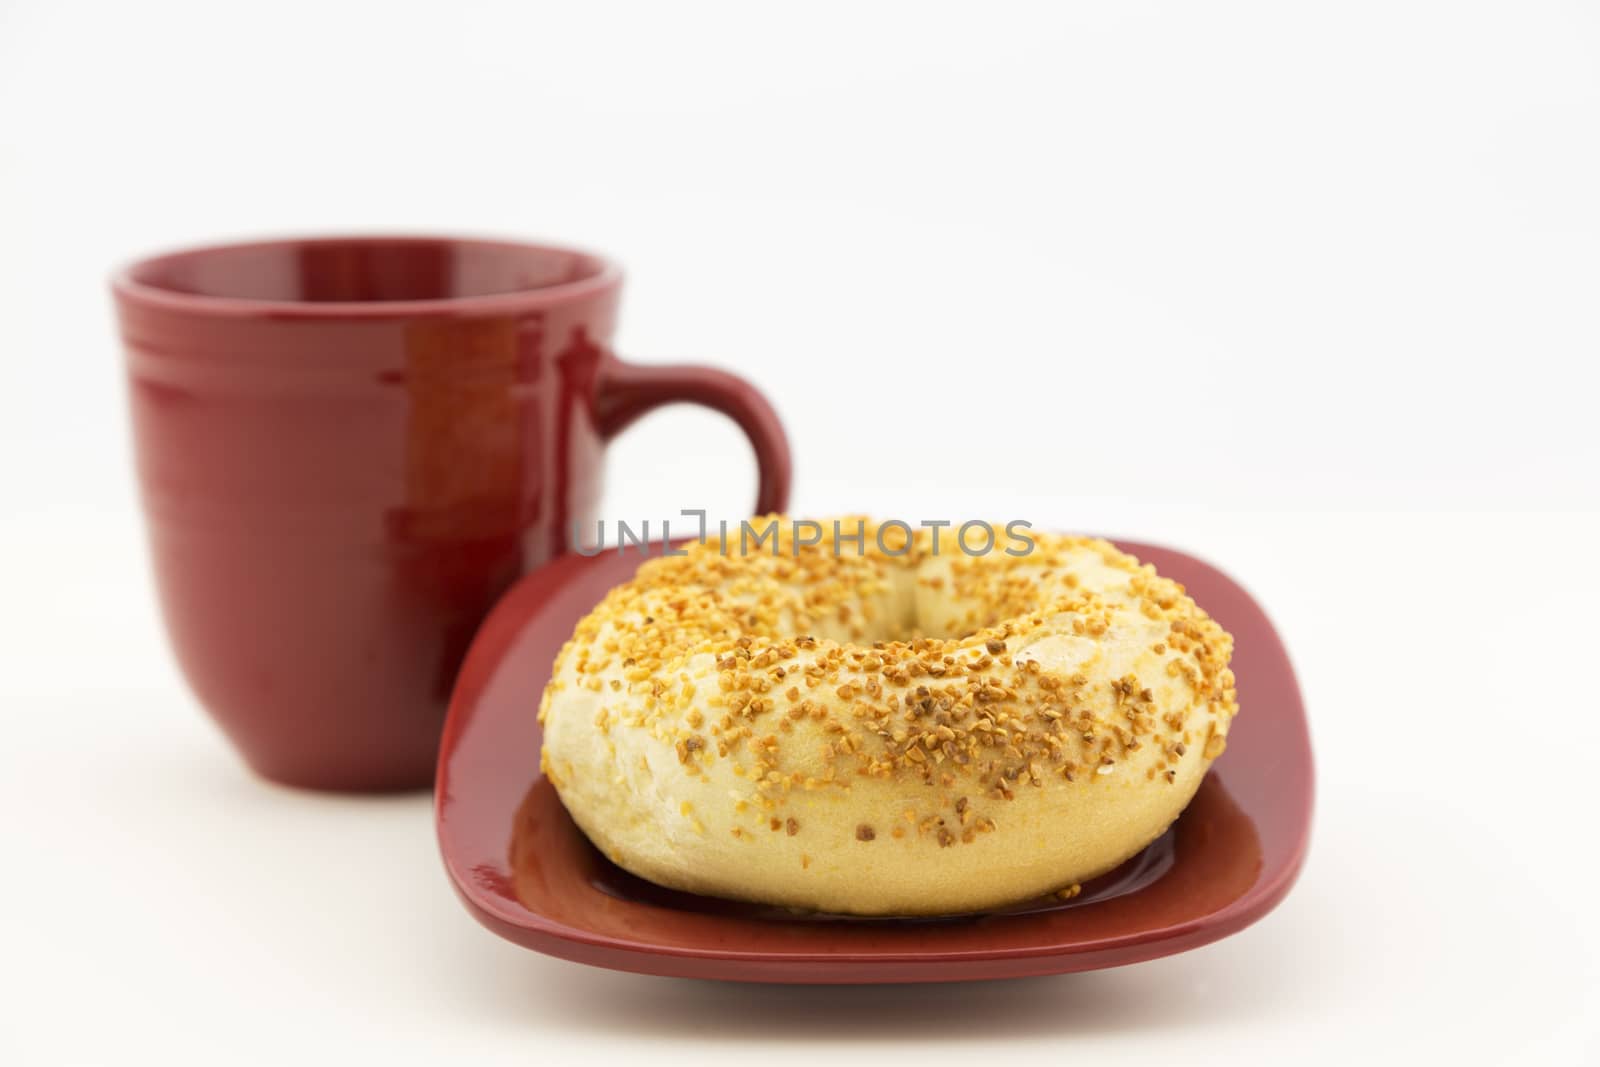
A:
{"points": [[349, 447]]}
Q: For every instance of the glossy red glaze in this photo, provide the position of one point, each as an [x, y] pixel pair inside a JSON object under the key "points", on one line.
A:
{"points": [[527, 873], [349, 448]]}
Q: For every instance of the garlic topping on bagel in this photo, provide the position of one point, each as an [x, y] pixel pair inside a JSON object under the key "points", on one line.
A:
{"points": [[870, 726]]}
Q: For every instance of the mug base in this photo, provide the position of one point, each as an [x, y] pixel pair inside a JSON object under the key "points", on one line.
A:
{"points": [[385, 777]]}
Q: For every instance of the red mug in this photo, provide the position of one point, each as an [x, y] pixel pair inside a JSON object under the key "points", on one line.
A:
{"points": [[348, 447]]}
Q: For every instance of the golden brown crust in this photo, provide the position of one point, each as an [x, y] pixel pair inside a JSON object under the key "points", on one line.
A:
{"points": [[756, 725]]}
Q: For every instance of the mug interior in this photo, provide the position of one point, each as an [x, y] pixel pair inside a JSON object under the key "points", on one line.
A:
{"points": [[365, 270]]}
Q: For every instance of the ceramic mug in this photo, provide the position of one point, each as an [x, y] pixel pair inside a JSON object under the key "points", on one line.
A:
{"points": [[348, 447]]}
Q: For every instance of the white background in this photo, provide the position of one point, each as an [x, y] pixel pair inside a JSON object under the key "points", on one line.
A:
{"points": [[1309, 290]]}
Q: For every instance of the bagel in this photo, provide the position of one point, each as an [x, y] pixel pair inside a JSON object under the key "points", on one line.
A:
{"points": [[885, 725]]}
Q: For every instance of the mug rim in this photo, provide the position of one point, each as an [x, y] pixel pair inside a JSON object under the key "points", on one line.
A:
{"points": [[125, 283]]}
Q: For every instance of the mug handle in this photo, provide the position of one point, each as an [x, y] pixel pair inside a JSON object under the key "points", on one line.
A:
{"points": [[626, 391]]}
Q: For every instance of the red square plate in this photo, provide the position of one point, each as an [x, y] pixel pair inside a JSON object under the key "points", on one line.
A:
{"points": [[527, 872]]}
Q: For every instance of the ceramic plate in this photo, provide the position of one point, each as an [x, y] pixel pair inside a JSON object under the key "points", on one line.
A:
{"points": [[527, 873]]}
